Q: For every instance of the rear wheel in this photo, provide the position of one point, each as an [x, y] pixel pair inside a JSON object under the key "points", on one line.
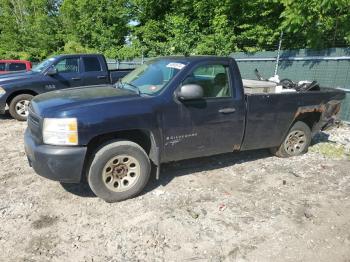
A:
{"points": [[296, 142], [19, 106], [119, 170]]}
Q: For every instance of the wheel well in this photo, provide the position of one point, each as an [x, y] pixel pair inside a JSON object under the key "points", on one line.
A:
{"points": [[309, 118], [21, 92], [140, 137]]}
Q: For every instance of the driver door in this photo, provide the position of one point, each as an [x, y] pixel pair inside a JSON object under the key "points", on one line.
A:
{"points": [[68, 74], [207, 126]]}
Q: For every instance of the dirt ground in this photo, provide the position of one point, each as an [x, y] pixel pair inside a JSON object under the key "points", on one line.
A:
{"points": [[234, 207]]}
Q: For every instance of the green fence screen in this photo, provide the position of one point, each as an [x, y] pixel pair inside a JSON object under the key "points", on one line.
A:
{"points": [[330, 67]]}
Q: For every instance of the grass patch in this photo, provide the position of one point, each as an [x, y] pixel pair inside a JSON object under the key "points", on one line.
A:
{"points": [[330, 150]]}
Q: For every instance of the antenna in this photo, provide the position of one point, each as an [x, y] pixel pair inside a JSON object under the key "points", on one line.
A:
{"points": [[278, 53]]}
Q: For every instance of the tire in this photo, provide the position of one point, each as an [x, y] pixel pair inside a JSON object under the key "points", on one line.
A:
{"points": [[287, 83], [296, 142], [114, 178], [19, 106]]}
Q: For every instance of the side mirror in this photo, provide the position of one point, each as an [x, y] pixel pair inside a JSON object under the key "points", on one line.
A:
{"points": [[190, 92], [51, 71]]}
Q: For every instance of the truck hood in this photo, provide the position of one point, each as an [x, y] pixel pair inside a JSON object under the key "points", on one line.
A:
{"points": [[14, 77], [64, 100]]}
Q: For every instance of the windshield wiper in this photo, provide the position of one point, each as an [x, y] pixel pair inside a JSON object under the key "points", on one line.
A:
{"points": [[132, 85]]}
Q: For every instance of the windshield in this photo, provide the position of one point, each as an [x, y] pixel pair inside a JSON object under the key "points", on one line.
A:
{"points": [[151, 77], [43, 65]]}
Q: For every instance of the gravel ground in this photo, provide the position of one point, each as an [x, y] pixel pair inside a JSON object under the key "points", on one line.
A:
{"points": [[233, 207]]}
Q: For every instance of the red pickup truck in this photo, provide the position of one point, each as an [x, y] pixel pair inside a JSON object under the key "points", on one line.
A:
{"points": [[8, 66]]}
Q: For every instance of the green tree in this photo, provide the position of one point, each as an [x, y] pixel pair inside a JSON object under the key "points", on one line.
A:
{"points": [[225, 26], [95, 25], [35, 29], [204, 27], [321, 23], [28, 28]]}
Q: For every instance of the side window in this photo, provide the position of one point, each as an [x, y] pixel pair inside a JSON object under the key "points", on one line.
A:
{"points": [[68, 65], [214, 79], [92, 64], [2, 66], [17, 67]]}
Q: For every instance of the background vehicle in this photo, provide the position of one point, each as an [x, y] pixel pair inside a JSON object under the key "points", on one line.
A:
{"points": [[64, 71], [168, 109], [9, 66]]}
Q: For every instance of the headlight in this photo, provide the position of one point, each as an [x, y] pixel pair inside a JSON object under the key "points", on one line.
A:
{"points": [[60, 131], [2, 91]]}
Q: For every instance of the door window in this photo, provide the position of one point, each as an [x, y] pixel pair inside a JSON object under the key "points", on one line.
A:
{"points": [[92, 64], [17, 67], [214, 79], [2, 66], [68, 65]]}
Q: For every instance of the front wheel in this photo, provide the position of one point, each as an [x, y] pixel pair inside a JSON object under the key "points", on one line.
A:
{"points": [[296, 142], [19, 106], [119, 170]]}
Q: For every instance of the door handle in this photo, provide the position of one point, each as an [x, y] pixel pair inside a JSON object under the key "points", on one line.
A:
{"points": [[101, 77], [227, 110], [76, 78]]}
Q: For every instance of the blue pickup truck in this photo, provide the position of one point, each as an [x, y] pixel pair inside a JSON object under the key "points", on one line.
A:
{"points": [[64, 71], [168, 109]]}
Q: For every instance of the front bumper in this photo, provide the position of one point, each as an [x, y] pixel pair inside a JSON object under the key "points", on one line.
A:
{"points": [[59, 163]]}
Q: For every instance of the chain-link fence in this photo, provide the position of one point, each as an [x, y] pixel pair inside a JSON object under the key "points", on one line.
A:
{"points": [[117, 64]]}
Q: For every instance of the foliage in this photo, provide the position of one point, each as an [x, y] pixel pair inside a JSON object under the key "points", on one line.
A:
{"points": [[331, 150], [99, 25], [73, 47], [28, 28], [216, 27], [322, 23], [35, 29]]}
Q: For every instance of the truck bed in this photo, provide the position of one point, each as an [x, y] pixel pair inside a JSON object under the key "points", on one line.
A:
{"points": [[270, 115]]}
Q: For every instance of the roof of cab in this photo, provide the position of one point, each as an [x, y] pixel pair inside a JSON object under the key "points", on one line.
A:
{"points": [[72, 55], [192, 58]]}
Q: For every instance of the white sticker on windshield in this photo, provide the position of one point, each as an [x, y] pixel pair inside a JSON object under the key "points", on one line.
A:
{"points": [[176, 65]]}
